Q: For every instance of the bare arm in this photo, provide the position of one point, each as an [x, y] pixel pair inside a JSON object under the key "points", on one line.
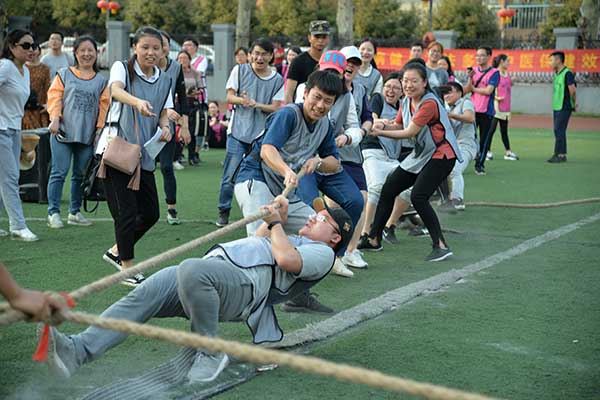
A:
{"points": [[121, 95], [573, 93], [290, 90], [269, 108], [468, 116], [485, 91], [411, 131]]}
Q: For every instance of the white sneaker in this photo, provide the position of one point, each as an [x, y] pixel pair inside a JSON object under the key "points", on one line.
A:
{"points": [[3, 233], [177, 166], [78, 219], [24, 234], [489, 155], [340, 269], [207, 367], [354, 259], [54, 221], [511, 156]]}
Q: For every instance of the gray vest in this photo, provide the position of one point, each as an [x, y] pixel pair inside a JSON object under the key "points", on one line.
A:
{"points": [[424, 144], [156, 93], [369, 82], [248, 122], [391, 146], [338, 115], [257, 252], [301, 145], [172, 71], [80, 106], [466, 134]]}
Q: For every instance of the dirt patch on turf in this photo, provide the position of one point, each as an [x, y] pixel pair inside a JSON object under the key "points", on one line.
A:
{"points": [[545, 122]]}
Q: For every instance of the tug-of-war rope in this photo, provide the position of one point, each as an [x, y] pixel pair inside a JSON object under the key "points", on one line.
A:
{"points": [[252, 353]]}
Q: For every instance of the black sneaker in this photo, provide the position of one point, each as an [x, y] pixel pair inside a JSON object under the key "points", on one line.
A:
{"points": [[389, 235], [555, 159], [438, 254], [371, 247], [113, 259], [172, 218], [362, 242], [418, 231], [223, 218], [479, 170], [134, 281], [306, 302], [459, 204]]}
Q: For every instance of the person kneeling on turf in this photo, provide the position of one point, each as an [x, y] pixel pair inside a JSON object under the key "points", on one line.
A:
{"points": [[233, 282]]}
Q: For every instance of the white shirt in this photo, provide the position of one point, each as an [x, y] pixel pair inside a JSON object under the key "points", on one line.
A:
{"points": [[232, 82], [119, 74], [14, 92], [203, 64]]}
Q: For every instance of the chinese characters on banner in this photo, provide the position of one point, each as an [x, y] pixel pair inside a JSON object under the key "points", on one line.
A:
{"points": [[388, 58]]}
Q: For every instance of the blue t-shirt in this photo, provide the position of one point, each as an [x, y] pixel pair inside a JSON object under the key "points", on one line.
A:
{"points": [[277, 131], [494, 80]]}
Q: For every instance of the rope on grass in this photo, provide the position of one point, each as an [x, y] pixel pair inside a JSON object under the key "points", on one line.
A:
{"points": [[259, 355], [537, 205], [11, 316]]}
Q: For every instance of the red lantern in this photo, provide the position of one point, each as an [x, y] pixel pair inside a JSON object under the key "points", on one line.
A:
{"points": [[102, 4], [505, 15], [114, 7]]}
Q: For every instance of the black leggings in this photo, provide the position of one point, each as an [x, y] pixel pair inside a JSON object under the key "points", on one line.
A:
{"points": [[503, 132], [424, 184], [133, 212], [165, 157], [484, 123]]}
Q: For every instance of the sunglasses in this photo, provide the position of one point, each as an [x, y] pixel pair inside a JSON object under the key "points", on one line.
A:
{"points": [[322, 218], [28, 45]]}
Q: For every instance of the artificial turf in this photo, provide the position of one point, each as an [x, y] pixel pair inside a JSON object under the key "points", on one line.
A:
{"points": [[503, 332]]}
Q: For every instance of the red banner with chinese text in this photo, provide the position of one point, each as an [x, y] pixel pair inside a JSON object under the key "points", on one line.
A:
{"points": [[389, 58]]}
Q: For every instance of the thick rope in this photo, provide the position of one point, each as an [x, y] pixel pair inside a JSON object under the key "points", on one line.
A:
{"points": [[258, 355], [12, 316]]}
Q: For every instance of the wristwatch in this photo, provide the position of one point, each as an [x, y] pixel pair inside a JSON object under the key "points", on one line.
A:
{"points": [[272, 224]]}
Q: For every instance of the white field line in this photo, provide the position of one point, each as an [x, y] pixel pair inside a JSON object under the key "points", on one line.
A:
{"points": [[395, 298]]}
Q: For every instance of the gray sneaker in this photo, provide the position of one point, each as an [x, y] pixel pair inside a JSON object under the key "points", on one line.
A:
{"points": [[78, 219], [54, 221], [438, 254], [306, 302], [207, 367], [448, 207], [61, 353], [459, 204]]}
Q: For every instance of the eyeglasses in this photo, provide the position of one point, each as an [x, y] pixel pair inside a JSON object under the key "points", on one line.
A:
{"points": [[392, 87], [28, 45], [322, 218]]}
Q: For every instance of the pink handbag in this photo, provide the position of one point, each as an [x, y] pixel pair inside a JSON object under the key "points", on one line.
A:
{"points": [[123, 156]]}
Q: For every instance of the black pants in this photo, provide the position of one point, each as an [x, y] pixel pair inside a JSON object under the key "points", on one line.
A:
{"points": [[165, 157], [424, 184], [484, 123], [133, 212], [503, 132]]}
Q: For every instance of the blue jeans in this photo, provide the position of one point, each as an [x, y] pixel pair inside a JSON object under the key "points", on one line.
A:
{"points": [[561, 120], [10, 152], [61, 162], [339, 187], [233, 157]]}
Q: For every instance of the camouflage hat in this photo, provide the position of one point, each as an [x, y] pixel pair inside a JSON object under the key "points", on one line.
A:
{"points": [[320, 27]]}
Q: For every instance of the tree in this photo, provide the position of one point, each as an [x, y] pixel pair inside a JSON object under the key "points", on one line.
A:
{"points": [[208, 12], [166, 15], [242, 26], [344, 22], [76, 14], [559, 16], [384, 19], [291, 18], [39, 10], [473, 20]]}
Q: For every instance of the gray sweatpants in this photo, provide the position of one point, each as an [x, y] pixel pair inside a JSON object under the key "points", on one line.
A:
{"points": [[10, 152], [205, 291]]}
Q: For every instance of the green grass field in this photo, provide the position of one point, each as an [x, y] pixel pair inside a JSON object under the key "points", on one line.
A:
{"points": [[526, 328]]}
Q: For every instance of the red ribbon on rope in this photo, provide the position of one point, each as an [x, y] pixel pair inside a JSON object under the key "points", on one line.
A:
{"points": [[41, 353]]}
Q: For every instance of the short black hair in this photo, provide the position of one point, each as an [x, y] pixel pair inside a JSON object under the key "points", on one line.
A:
{"points": [[488, 49], [191, 39], [560, 55], [416, 60], [328, 82], [264, 43], [62, 36], [417, 44], [165, 35], [394, 75], [448, 86]]}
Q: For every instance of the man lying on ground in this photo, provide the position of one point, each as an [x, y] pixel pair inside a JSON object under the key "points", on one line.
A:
{"points": [[233, 282]]}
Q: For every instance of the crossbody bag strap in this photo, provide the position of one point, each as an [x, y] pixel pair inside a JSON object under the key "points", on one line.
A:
{"points": [[482, 76], [134, 182]]}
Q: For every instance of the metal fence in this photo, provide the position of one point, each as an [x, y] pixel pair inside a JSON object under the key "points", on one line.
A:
{"points": [[527, 16]]}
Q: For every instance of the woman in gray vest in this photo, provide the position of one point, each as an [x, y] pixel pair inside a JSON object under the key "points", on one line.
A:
{"points": [[77, 103], [141, 95], [424, 119], [368, 75], [18, 48], [166, 156]]}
